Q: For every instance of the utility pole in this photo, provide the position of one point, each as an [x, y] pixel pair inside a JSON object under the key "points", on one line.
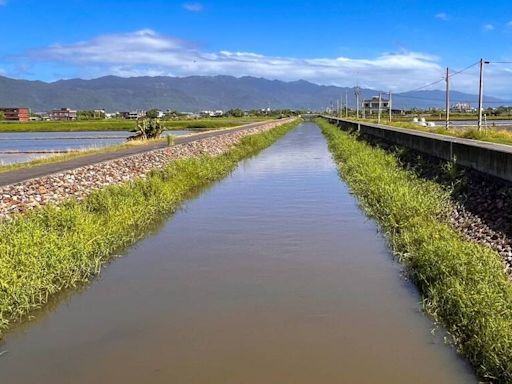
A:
{"points": [[357, 92], [447, 97], [389, 106], [380, 107], [481, 94], [337, 108], [346, 103]]}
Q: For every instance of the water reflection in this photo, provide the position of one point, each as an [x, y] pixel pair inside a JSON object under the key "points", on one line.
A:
{"points": [[16, 147], [272, 276]]}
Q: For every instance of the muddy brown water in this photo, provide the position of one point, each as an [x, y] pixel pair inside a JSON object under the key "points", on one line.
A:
{"points": [[273, 275]]}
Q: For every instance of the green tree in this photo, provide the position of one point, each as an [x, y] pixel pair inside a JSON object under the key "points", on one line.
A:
{"points": [[147, 129], [152, 113], [237, 112], [2, 115]]}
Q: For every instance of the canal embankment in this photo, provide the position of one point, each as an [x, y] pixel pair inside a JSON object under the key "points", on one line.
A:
{"points": [[463, 283], [489, 158], [86, 215], [481, 203], [63, 181], [271, 275]]}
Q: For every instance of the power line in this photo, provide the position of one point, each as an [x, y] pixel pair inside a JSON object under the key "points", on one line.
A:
{"points": [[442, 78], [425, 86], [465, 69], [456, 99]]}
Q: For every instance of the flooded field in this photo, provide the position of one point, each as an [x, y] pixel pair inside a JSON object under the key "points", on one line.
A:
{"points": [[18, 147], [273, 275]]}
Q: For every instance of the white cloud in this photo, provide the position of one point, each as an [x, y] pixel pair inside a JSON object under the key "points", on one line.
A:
{"points": [[509, 24], [488, 27], [193, 7], [146, 52], [3, 2], [441, 16]]}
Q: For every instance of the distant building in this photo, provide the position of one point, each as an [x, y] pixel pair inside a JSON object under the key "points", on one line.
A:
{"points": [[16, 114], [462, 107], [186, 115], [41, 116], [62, 114], [133, 115], [372, 105], [217, 113]]}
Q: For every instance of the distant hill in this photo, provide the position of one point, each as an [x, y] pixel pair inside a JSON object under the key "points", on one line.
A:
{"points": [[194, 93]]}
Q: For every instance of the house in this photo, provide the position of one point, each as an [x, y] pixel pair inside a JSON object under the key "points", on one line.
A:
{"points": [[16, 113], [62, 114], [372, 105], [217, 113], [133, 115]]}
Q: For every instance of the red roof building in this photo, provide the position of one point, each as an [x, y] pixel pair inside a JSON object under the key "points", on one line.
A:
{"points": [[16, 114]]}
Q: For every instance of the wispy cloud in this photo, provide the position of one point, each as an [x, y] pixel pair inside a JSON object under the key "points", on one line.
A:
{"points": [[3, 2], [146, 52], [509, 24], [441, 16], [488, 27], [193, 7]]}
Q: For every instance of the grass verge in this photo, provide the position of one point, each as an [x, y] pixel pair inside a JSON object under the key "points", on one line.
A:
{"points": [[118, 125], [462, 283], [54, 248], [491, 135]]}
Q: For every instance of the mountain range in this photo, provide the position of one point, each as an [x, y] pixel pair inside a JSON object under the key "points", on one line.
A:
{"points": [[196, 93]]}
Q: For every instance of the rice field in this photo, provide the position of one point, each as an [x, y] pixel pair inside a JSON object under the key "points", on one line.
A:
{"points": [[118, 125]]}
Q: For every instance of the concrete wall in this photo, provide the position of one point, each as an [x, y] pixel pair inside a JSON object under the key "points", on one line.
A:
{"points": [[489, 158]]}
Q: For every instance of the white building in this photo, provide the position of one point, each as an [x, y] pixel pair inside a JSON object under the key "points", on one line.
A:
{"points": [[133, 115], [372, 105], [462, 107], [217, 113], [63, 114]]}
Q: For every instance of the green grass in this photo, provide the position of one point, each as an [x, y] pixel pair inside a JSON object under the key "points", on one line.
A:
{"points": [[491, 135], [462, 283], [442, 117], [117, 125], [54, 248], [211, 123]]}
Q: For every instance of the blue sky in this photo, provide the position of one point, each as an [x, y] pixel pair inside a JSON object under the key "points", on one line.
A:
{"points": [[397, 45]]}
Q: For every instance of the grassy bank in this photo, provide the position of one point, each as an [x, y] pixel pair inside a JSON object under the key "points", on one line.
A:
{"points": [[54, 248], [462, 284], [492, 135], [117, 125]]}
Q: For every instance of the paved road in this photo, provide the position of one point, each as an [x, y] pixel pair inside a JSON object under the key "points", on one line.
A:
{"points": [[17, 176]]}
